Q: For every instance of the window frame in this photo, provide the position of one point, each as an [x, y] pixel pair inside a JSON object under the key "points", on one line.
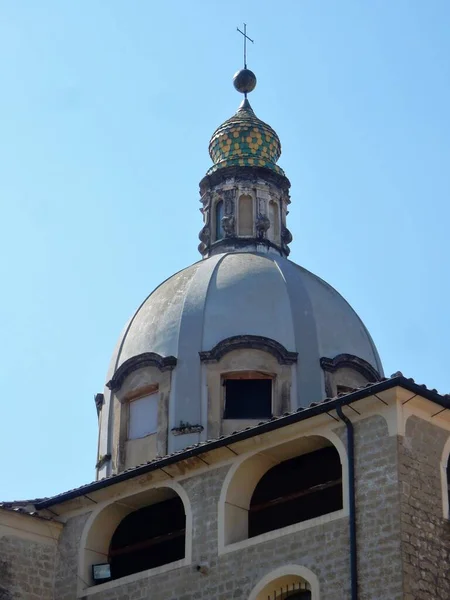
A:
{"points": [[246, 375], [152, 393]]}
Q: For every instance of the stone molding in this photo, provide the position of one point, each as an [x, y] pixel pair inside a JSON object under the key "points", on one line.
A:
{"points": [[146, 359], [243, 174], [255, 342], [235, 243], [349, 361]]}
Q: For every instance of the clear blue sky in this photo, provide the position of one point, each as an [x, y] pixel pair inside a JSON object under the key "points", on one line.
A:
{"points": [[106, 111]]}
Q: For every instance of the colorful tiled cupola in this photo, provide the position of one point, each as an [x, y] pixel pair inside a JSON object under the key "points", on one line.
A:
{"points": [[245, 141]]}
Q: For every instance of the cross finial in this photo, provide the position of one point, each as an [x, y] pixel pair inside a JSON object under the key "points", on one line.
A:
{"points": [[244, 33]]}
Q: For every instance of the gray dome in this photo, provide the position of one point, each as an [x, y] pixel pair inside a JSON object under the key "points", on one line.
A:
{"points": [[243, 293]]}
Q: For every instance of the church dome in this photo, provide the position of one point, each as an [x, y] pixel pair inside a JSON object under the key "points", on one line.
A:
{"points": [[243, 318], [245, 294], [245, 141]]}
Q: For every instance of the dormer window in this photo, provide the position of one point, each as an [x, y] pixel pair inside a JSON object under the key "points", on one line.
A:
{"points": [[248, 395], [143, 416]]}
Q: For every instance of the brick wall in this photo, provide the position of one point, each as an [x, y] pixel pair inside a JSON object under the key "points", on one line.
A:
{"points": [[26, 569], [425, 533]]}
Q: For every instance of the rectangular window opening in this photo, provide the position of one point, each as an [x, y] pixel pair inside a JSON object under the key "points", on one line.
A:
{"points": [[248, 398], [143, 416]]}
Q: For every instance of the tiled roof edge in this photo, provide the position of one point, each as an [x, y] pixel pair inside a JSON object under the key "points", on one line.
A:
{"points": [[274, 423]]}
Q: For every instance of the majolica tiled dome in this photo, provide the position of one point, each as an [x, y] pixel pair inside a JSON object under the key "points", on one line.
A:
{"points": [[246, 141]]}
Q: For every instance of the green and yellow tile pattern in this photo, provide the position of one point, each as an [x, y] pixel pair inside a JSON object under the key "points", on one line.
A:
{"points": [[246, 141]]}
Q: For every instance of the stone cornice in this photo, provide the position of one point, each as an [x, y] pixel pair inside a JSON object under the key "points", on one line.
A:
{"points": [[255, 342], [235, 243], [147, 359], [349, 361], [244, 174]]}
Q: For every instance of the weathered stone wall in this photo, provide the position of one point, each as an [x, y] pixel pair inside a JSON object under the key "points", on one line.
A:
{"points": [[234, 575], [378, 511], [324, 549], [425, 532], [26, 569], [66, 572]]}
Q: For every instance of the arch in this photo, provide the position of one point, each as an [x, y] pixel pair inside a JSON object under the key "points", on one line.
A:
{"points": [[350, 361], [256, 342], [445, 479], [285, 574], [345, 372], [105, 519], [146, 359], [274, 218], [245, 216], [243, 477], [218, 216]]}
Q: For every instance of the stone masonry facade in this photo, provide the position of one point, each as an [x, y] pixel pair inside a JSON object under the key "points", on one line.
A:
{"points": [[26, 569], [425, 532], [323, 549], [403, 539]]}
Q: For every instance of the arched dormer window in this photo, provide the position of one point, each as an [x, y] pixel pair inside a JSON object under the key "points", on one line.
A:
{"points": [[245, 222], [219, 215], [249, 379]]}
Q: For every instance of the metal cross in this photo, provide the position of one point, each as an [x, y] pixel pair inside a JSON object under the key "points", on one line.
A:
{"points": [[244, 33]]}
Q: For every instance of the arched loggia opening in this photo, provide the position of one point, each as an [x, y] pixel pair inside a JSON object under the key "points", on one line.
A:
{"points": [[447, 472], [133, 534], [445, 479], [295, 490], [282, 487], [291, 582], [147, 538]]}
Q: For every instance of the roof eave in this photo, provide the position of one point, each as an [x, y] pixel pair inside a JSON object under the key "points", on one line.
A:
{"points": [[276, 423]]}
